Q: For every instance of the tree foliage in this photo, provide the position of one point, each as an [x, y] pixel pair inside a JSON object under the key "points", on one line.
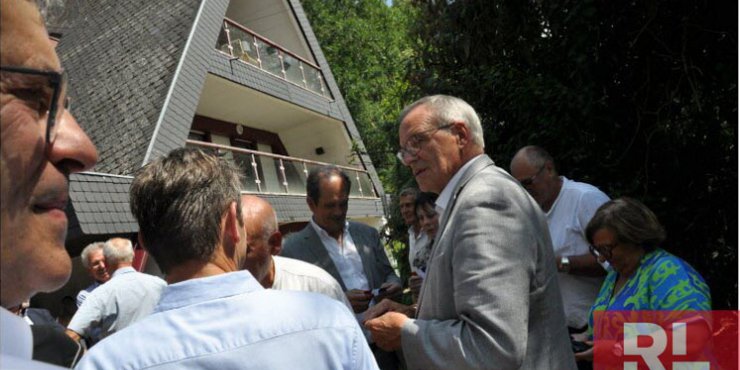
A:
{"points": [[638, 98], [369, 49]]}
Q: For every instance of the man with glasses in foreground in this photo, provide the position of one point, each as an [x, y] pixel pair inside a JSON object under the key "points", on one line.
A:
{"points": [[490, 298], [41, 145], [568, 206]]}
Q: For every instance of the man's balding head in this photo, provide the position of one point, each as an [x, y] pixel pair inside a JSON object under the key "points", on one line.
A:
{"points": [[534, 168], [263, 238]]}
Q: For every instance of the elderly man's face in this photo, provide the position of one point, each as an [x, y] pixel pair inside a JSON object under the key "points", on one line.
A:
{"points": [[33, 175], [439, 156], [539, 180], [259, 250], [97, 269]]}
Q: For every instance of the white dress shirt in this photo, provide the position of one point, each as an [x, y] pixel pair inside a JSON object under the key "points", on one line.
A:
{"points": [[345, 257]]}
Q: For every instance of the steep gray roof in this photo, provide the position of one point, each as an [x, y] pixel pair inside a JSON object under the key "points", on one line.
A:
{"points": [[121, 58], [136, 71]]}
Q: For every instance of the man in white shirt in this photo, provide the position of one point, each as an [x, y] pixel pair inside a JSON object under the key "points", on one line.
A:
{"points": [[351, 252], [128, 297], [42, 145], [569, 206], [264, 242], [94, 262]]}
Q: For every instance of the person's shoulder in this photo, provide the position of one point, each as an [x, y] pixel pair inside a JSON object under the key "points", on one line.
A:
{"points": [[664, 265], [584, 190], [297, 237], [153, 279], [303, 269], [311, 308], [359, 226]]}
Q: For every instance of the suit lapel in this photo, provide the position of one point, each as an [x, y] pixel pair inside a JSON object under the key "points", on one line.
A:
{"points": [[316, 246], [477, 166]]}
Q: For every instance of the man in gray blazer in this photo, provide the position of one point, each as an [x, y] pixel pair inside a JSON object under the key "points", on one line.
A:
{"points": [[491, 298], [351, 252]]}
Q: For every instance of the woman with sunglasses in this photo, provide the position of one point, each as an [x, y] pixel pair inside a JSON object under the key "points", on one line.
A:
{"points": [[642, 276]]}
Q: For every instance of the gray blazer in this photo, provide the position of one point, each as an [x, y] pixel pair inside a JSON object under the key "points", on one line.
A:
{"points": [[491, 298], [306, 245]]}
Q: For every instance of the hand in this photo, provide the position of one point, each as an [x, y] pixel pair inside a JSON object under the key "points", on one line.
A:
{"points": [[359, 299], [587, 355], [384, 306], [579, 337], [389, 290], [386, 329]]}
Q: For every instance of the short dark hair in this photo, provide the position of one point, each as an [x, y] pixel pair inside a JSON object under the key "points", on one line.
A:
{"points": [[425, 198], [313, 182], [179, 201], [631, 222]]}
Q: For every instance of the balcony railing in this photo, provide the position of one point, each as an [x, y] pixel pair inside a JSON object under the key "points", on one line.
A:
{"points": [[267, 173], [247, 46]]}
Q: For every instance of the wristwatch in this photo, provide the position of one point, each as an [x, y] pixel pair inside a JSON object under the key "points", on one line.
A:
{"points": [[564, 264]]}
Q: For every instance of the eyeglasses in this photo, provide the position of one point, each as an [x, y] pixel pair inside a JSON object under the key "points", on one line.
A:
{"points": [[413, 144], [47, 93], [530, 181], [603, 250]]}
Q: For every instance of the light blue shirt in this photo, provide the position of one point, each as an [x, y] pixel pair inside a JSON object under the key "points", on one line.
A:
{"points": [[229, 321], [127, 297], [82, 295]]}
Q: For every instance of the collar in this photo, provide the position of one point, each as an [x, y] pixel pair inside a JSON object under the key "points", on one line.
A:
{"points": [[123, 270], [446, 195], [563, 180], [206, 289], [323, 234]]}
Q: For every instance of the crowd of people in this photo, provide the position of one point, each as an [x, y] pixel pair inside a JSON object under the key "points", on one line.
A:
{"points": [[508, 268]]}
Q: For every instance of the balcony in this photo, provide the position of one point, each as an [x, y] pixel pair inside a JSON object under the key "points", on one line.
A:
{"points": [[248, 47], [267, 173]]}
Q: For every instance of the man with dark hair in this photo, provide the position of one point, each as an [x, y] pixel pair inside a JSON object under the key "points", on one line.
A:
{"points": [[94, 262], [490, 298], [351, 252], [264, 243], [348, 251], [40, 146], [568, 206], [128, 297], [213, 315]]}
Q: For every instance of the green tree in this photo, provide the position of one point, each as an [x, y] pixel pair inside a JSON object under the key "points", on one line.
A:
{"points": [[639, 98], [368, 46]]}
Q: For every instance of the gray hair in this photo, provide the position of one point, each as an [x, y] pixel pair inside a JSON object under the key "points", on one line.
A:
{"points": [[445, 109], [536, 156], [118, 250], [85, 255], [409, 191], [631, 222]]}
